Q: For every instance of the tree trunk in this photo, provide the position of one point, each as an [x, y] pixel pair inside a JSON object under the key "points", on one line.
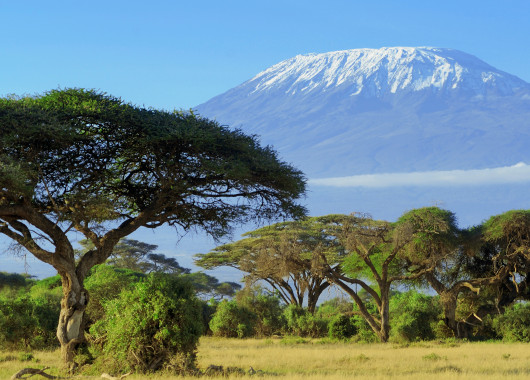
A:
{"points": [[70, 330], [460, 329], [384, 331]]}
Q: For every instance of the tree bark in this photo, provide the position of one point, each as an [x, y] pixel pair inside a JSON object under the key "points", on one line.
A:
{"points": [[70, 329], [384, 313]]}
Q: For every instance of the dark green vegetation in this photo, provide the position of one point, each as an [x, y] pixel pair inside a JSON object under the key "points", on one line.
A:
{"points": [[78, 160]]}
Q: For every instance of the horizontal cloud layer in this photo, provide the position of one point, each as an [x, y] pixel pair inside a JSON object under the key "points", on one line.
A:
{"points": [[509, 174]]}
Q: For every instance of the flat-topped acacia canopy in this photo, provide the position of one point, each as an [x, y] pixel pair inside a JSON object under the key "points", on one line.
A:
{"points": [[82, 160]]}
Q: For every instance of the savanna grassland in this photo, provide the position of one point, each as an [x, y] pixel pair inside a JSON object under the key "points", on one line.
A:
{"points": [[298, 358]]}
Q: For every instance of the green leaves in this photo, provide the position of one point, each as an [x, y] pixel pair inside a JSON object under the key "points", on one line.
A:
{"points": [[16, 180]]}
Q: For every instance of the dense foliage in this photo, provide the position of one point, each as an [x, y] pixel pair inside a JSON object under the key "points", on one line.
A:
{"points": [[232, 320], [514, 324], [415, 316], [29, 311], [155, 324]]}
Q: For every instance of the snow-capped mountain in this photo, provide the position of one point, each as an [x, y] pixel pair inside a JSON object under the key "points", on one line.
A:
{"points": [[378, 72], [399, 109]]}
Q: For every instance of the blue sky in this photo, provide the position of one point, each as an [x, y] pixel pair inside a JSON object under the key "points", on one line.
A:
{"points": [[178, 54]]}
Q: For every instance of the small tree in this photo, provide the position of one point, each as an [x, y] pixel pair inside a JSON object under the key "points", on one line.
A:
{"points": [[78, 160]]}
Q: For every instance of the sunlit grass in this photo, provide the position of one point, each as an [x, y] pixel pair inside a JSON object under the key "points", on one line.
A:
{"points": [[303, 359]]}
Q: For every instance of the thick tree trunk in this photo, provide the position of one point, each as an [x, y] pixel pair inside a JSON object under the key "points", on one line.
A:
{"points": [[460, 329], [70, 330]]}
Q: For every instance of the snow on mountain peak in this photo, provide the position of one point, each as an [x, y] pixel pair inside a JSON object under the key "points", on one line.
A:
{"points": [[387, 70]]}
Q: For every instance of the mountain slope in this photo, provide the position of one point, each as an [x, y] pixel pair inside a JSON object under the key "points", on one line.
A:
{"points": [[383, 110]]}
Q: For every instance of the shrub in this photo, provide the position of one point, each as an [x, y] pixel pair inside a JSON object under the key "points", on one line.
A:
{"points": [[208, 309], [364, 331], [342, 327], [302, 323], [414, 316], [156, 324], [514, 324], [232, 321], [266, 307], [104, 284], [334, 307], [28, 323]]}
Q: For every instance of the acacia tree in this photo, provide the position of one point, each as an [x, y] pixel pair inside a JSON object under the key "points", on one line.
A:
{"points": [[79, 160], [376, 253], [508, 236], [282, 255], [137, 256], [489, 265]]}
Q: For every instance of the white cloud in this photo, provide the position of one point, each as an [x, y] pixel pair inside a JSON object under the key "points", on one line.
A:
{"points": [[509, 174]]}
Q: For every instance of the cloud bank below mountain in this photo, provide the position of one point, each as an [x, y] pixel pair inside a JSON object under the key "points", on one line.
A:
{"points": [[518, 173]]}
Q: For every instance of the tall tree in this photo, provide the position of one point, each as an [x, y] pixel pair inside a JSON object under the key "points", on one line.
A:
{"points": [[375, 253], [81, 160]]}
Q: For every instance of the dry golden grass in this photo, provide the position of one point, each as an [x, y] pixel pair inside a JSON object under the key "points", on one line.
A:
{"points": [[291, 359]]}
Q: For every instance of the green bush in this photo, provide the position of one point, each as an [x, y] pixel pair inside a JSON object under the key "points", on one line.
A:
{"points": [[155, 325], [208, 309], [514, 324], [342, 327], [29, 312], [266, 307], [28, 323], [302, 323], [332, 308], [232, 321], [414, 316], [104, 284], [364, 333]]}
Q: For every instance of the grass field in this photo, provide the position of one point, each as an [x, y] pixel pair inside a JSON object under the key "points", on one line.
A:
{"points": [[302, 359]]}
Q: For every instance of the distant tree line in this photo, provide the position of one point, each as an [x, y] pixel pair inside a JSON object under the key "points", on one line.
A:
{"points": [[419, 278], [477, 273]]}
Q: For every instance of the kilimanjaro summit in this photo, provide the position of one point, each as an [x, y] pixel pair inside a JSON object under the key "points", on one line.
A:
{"points": [[388, 110]]}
